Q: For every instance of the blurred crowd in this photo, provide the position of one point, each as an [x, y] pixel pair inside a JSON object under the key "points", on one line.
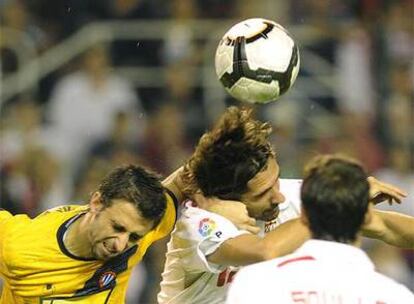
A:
{"points": [[57, 142]]}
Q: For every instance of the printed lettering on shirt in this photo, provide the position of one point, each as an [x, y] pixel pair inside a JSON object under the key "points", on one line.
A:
{"points": [[315, 297], [206, 226], [322, 297], [61, 209]]}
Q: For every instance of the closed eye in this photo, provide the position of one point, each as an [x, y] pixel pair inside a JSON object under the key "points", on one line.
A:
{"points": [[118, 228], [133, 238], [259, 195]]}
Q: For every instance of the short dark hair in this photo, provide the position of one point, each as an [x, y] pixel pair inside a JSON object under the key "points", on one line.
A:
{"points": [[335, 197], [228, 156], [137, 185]]}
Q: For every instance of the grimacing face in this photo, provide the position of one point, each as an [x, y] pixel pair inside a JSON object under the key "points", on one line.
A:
{"points": [[116, 228], [263, 196]]}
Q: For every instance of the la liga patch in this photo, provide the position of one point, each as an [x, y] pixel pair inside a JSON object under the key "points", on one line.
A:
{"points": [[206, 226]]}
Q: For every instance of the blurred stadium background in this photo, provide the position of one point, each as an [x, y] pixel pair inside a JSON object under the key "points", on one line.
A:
{"points": [[86, 85]]}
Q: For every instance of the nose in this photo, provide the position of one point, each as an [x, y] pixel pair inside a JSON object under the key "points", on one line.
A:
{"points": [[120, 243], [277, 196]]}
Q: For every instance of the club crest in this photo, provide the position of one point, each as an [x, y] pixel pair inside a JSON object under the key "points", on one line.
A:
{"points": [[106, 278]]}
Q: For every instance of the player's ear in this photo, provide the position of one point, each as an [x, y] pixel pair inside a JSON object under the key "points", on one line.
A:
{"points": [[303, 217], [95, 203]]}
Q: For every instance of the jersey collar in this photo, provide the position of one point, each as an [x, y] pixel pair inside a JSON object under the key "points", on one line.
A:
{"points": [[61, 234]]}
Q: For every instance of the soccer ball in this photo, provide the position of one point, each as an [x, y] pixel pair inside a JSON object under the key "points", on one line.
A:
{"points": [[257, 61]]}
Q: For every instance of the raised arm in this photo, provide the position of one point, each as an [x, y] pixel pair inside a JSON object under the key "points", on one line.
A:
{"points": [[391, 227], [174, 183], [234, 211], [380, 192], [247, 249]]}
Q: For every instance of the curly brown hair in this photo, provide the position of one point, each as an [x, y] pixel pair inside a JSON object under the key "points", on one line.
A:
{"points": [[228, 156]]}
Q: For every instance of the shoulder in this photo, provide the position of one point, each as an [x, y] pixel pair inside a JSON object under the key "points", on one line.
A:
{"points": [[7, 220], [169, 218], [23, 236], [272, 265], [4, 215], [51, 220], [56, 214], [197, 224], [393, 288], [191, 215], [274, 268], [290, 188], [64, 210]]}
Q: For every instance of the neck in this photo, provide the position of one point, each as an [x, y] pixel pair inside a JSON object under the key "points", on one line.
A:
{"points": [[356, 243], [76, 239]]}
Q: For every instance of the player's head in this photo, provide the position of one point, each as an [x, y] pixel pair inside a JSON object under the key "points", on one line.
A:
{"points": [[130, 202], [235, 161], [335, 196]]}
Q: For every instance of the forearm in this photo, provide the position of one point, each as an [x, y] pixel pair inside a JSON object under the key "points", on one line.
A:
{"points": [[247, 248], [174, 184], [391, 227], [286, 238], [243, 250]]}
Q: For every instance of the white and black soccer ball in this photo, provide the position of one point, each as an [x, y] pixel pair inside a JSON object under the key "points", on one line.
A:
{"points": [[257, 61]]}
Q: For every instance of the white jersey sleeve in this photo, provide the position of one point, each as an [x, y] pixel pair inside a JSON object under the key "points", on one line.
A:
{"points": [[201, 233], [188, 277]]}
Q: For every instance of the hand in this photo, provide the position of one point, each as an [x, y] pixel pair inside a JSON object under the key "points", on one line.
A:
{"points": [[234, 211], [380, 192]]}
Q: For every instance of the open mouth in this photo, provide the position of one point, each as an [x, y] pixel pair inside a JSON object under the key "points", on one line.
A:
{"points": [[107, 251], [271, 214]]}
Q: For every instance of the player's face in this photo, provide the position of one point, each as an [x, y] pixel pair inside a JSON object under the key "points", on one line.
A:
{"points": [[117, 228], [263, 197]]}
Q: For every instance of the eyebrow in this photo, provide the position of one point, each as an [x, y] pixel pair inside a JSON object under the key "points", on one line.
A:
{"points": [[267, 189]]}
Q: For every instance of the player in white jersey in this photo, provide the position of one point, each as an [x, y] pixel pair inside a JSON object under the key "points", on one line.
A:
{"points": [[189, 277], [234, 161], [329, 268]]}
